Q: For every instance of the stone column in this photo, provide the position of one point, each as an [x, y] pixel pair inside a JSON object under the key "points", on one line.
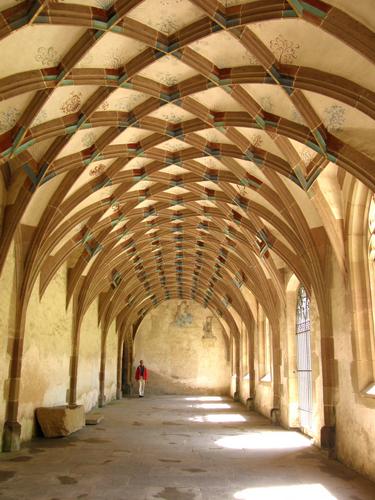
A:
{"points": [[119, 366], [276, 365], [12, 428], [237, 365], [103, 353], [130, 363], [251, 361], [73, 369], [328, 431], [124, 369]]}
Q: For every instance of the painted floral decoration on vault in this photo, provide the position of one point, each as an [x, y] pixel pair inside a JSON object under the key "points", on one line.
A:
{"points": [[252, 60], [170, 117], [334, 118], [72, 104], [115, 59], [127, 103], [97, 170], [88, 139], [169, 23], [266, 103], [104, 106], [115, 205], [173, 145], [167, 77], [9, 118], [285, 50], [256, 140], [47, 56]]}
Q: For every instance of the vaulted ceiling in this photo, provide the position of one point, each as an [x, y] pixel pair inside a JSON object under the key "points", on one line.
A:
{"points": [[182, 148]]}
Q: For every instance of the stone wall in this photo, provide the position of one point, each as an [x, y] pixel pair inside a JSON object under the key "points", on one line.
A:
{"points": [[244, 375], [89, 359], [170, 342], [263, 400], [47, 350], [45, 366], [111, 364]]}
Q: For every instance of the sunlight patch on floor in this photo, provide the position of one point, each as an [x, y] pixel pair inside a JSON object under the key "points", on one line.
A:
{"points": [[204, 398], [213, 406], [219, 418], [288, 492], [271, 440]]}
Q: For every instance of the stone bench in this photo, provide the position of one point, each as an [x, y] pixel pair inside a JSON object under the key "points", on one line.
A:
{"points": [[57, 421]]}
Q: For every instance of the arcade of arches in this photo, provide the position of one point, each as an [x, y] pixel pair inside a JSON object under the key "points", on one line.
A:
{"points": [[190, 181]]}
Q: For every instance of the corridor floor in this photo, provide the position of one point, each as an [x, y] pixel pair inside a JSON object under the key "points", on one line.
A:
{"points": [[178, 448]]}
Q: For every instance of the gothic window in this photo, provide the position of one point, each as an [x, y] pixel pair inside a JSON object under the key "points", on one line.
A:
{"points": [[304, 372], [303, 311]]}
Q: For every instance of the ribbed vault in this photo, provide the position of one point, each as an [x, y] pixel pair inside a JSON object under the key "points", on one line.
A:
{"points": [[172, 148]]}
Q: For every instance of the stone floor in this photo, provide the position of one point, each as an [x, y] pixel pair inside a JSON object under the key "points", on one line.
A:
{"points": [[178, 448]]}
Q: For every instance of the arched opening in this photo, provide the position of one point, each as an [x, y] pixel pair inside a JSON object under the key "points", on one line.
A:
{"points": [[304, 367]]}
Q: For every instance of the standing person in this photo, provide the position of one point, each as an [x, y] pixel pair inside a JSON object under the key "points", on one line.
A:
{"points": [[141, 375]]}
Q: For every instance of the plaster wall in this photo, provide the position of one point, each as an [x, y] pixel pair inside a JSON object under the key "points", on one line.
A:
{"points": [[244, 386], [355, 414], [47, 349], [243, 375], [288, 375], [244, 366], [89, 359], [169, 340], [263, 399], [233, 365], [111, 364], [7, 317], [47, 345]]}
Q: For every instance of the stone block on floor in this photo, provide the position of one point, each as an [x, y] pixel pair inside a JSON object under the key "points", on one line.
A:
{"points": [[93, 418], [57, 421]]}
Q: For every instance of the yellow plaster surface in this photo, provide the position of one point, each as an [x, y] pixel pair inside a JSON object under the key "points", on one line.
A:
{"points": [[177, 356], [45, 368]]}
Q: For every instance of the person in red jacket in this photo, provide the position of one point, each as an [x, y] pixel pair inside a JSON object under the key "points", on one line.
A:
{"points": [[141, 376]]}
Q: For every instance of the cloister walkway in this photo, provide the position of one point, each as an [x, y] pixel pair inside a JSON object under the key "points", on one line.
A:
{"points": [[178, 448]]}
